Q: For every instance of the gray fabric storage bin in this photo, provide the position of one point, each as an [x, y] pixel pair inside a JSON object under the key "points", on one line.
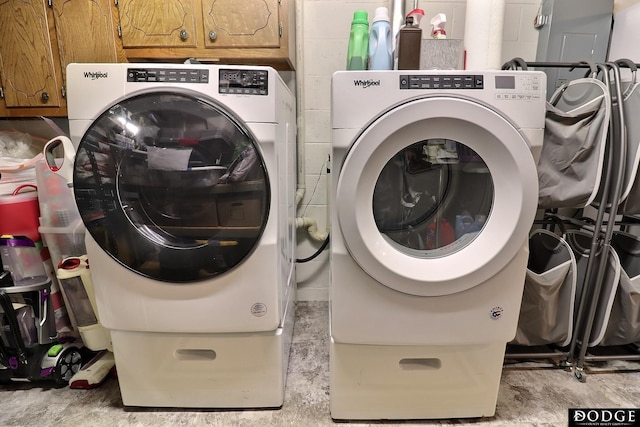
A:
{"points": [[623, 326], [573, 151], [580, 242], [547, 310], [631, 185]]}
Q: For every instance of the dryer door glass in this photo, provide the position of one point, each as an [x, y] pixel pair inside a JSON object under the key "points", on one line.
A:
{"points": [[172, 186], [433, 197]]}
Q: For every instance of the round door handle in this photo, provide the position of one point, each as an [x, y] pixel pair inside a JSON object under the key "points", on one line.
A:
{"points": [[44, 97], [184, 34], [212, 35]]}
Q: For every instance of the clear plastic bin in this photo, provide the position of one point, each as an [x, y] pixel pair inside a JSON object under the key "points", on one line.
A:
{"points": [[21, 257], [55, 197], [64, 242]]}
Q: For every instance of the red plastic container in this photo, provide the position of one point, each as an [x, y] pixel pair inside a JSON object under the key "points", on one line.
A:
{"points": [[19, 213]]}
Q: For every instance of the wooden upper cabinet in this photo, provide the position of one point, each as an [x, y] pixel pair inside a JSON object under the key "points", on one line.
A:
{"points": [[93, 41], [157, 23], [38, 39], [232, 23], [27, 63], [260, 32]]}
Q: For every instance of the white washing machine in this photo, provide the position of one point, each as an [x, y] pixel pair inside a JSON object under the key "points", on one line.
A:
{"points": [[184, 177], [434, 193]]}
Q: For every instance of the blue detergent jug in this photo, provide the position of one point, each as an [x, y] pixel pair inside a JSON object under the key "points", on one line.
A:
{"points": [[380, 44]]}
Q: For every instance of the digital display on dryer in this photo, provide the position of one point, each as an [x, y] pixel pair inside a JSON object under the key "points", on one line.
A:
{"points": [[505, 82]]}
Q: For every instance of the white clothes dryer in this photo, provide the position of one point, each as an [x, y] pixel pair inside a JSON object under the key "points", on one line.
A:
{"points": [[184, 177], [434, 193]]}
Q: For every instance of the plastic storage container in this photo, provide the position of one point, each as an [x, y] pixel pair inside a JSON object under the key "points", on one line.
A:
{"points": [[358, 41], [21, 257], [55, 198], [65, 241], [380, 41], [19, 213], [61, 226]]}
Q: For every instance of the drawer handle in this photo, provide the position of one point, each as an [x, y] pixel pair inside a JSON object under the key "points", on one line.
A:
{"points": [[424, 364], [195, 354]]}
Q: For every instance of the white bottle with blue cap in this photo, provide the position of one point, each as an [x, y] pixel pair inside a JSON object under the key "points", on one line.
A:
{"points": [[380, 41]]}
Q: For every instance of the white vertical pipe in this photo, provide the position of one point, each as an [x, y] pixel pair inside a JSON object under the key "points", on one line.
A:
{"points": [[398, 12], [483, 33], [300, 112]]}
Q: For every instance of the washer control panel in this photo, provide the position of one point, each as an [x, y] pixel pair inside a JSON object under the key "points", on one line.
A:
{"points": [[168, 75], [230, 81], [439, 81], [243, 82]]}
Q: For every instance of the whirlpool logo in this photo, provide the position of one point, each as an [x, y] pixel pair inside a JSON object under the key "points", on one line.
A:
{"points": [[604, 417], [366, 83], [95, 75]]}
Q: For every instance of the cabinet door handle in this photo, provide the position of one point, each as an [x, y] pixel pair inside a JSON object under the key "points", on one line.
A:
{"points": [[44, 97], [184, 34], [212, 35]]}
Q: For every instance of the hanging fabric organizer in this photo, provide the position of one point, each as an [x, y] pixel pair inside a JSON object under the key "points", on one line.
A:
{"points": [[623, 326], [631, 106], [547, 310], [580, 242], [572, 156], [588, 179]]}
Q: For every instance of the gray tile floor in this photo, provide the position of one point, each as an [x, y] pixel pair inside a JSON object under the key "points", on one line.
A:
{"points": [[531, 394]]}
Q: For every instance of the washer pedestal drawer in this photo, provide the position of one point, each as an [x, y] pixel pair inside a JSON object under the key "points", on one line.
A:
{"points": [[245, 370]]}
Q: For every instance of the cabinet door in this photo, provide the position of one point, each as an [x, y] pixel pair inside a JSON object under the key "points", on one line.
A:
{"points": [[157, 23], [26, 59], [240, 24], [85, 32]]}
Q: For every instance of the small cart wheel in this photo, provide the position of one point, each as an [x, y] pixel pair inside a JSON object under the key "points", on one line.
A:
{"points": [[68, 364]]}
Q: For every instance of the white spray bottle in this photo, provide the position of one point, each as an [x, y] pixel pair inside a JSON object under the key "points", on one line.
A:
{"points": [[437, 26]]}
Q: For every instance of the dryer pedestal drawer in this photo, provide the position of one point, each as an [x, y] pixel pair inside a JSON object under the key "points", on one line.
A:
{"points": [[414, 382]]}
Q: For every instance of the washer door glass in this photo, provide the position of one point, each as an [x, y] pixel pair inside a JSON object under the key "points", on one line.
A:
{"points": [[436, 196], [172, 186], [433, 197]]}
